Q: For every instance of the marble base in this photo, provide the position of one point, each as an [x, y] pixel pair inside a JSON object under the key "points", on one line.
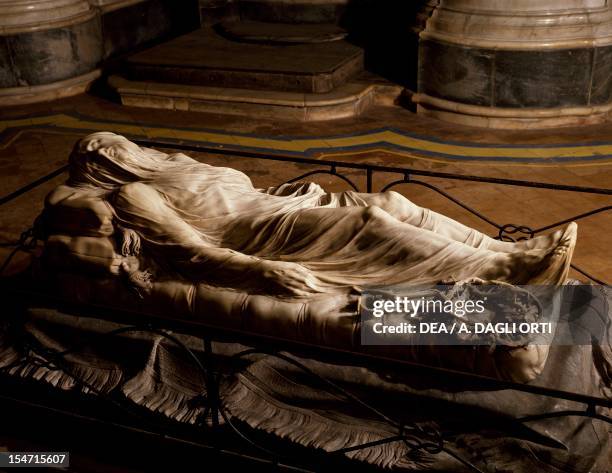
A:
{"points": [[105, 6], [204, 57], [49, 56], [519, 81], [48, 49], [48, 45], [535, 62], [347, 101], [43, 93], [522, 24], [27, 16], [509, 118], [516, 79]]}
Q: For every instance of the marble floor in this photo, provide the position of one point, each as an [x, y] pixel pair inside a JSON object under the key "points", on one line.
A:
{"points": [[36, 139]]}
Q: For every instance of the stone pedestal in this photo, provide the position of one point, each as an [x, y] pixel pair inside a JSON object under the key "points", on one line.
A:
{"points": [[48, 49], [54, 48], [517, 63]]}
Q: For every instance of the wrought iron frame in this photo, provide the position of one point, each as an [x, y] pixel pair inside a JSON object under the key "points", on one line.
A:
{"points": [[419, 438]]}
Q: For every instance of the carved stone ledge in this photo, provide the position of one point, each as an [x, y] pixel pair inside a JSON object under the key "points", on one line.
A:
{"points": [[24, 16]]}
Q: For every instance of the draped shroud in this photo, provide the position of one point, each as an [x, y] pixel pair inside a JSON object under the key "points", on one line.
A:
{"points": [[180, 227], [346, 244]]}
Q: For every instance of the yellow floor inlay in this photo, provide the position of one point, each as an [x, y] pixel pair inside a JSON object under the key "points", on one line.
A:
{"points": [[388, 140]]}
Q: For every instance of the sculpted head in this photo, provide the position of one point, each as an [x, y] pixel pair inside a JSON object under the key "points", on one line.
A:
{"points": [[106, 160], [108, 144]]}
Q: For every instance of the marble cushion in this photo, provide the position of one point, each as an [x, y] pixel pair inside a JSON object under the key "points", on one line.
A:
{"points": [[324, 320]]}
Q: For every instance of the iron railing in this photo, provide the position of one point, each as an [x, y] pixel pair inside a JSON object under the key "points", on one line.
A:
{"points": [[419, 438], [505, 232]]}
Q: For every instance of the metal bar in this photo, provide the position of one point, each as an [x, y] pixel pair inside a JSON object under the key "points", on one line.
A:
{"points": [[333, 172], [374, 167], [212, 385], [448, 196], [32, 185], [369, 168], [551, 415], [572, 219], [592, 278]]}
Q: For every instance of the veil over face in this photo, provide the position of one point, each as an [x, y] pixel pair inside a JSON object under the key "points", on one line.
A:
{"points": [[107, 160], [213, 200]]}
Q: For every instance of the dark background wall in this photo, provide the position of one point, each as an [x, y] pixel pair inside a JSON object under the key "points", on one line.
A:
{"points": [[387, 29]]}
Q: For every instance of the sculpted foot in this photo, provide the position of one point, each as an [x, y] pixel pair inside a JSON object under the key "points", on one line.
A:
{"points": [[560, 259], [540, 242], [539, 265]]}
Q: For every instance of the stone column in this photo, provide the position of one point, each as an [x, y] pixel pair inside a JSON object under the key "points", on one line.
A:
{"points": [[517, 63], [48, 49]]}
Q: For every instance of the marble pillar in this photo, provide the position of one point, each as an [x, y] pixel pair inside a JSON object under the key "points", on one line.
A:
{"points": [[517, 63], [51, 49], [48, 49]]}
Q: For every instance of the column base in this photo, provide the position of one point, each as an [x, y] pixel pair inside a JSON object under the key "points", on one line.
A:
{"points": [[43, 93], [504, 118], [519, 64]]}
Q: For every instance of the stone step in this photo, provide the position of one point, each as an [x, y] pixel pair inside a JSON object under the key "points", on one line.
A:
{"points": [[281, 33], [206, 58], [348, 100]]}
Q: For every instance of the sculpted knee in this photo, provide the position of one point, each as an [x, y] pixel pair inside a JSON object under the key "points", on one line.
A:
{"points": [[393, 196], [373, 212], [402, 206], [398, 200]]}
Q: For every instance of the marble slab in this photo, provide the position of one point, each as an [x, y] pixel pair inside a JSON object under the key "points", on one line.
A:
{"points": [[206, 58]]}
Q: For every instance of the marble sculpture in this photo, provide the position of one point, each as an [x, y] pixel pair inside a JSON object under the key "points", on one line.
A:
{"points": [[211, 224]]}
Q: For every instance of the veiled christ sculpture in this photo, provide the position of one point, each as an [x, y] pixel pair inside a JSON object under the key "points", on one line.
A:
{"points": [[211, 224]]}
